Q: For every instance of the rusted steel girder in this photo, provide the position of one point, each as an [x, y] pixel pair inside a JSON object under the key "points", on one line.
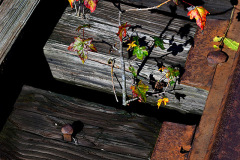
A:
{"points": [[217, 137], [174, 141]]}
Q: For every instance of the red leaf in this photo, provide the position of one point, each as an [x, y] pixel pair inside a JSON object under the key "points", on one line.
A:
{"points": [[91, 4], [122, 32], [199, 13]]}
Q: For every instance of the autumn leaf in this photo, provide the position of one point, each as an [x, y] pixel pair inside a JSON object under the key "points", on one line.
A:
{"points": [[158, 42], [228, 42], [122, 32], [162, 101], [199, 13], [162, 68], [71, 2], [171, 74], [91, 4], [140, 91], [82, 46], [131, 45]]}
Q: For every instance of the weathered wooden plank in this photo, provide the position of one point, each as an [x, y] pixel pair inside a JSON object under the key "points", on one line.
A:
{"points": [[219, 9], [95, 73], [13, 17], [33, 130]]}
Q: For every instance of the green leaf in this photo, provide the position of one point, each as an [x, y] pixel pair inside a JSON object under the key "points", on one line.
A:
{"points": [[231, 44], [134, 72], [140, 52], [228, 42], [136, 40], [158, 42], [217, 39], [215, 46], [172, 83]]}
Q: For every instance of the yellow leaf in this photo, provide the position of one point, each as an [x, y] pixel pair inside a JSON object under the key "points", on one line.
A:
{"points": [[159, 103], [131, 45]]}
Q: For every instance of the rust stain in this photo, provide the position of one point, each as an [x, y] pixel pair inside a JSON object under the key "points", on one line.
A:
{"points": [[198, 72], [174, 141]]}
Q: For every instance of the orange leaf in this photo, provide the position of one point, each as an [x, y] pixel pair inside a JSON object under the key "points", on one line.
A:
{"points": [[91, 4], [199, 13], [122, 32]]}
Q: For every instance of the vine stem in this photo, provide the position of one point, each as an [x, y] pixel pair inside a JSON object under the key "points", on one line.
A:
{"points": [[145, 9], [124, 93], [225, 34], [187, 3], [112, 66]]}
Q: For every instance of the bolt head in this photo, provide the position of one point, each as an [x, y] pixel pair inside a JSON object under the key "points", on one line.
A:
{"points": [[216, 57], [67, 129]]}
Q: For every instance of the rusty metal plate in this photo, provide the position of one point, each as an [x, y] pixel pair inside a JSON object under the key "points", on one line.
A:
{"points": [[173, 142], [197, 71]]}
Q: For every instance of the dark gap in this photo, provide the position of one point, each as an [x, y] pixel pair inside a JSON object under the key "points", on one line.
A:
{"points": [[25, 60]]}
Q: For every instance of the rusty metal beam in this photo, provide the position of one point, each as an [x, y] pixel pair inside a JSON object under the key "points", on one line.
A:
{"points": [[174, 141], [217, 136]]}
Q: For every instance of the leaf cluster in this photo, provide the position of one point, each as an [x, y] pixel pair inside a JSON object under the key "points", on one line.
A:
{"points": [[82, 46], [172, 74], [140, 91]]}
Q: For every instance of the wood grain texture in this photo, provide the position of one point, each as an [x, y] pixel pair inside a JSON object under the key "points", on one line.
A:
{"points": [[96, 72], [219, 9], [33, 131], [13, 17]]}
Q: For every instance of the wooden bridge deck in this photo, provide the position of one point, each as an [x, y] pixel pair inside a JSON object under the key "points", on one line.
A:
{"points": [[33, 131]]}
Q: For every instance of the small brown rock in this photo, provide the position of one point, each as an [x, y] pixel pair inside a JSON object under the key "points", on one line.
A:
{"points": [[216, 57]]}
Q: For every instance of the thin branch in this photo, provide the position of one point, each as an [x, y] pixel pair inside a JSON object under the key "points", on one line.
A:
{"points": [[225, 34], [124, 94], [112, 65], [145, 9], [187, 3], [131, 100]]}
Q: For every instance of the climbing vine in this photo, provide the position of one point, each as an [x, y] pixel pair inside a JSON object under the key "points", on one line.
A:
{"points": [[139, 90]]}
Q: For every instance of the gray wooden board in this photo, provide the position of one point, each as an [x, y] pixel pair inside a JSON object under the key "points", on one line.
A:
{"points": [[219, 9], [33, 131], [95, 73], [13, 17]]}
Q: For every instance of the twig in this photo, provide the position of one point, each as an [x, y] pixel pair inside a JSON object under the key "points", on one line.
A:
{"points": [[145, 9], [112, 65], [166, 88], [225, 34], [124, 94], [187, 3], [131, 100]]}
